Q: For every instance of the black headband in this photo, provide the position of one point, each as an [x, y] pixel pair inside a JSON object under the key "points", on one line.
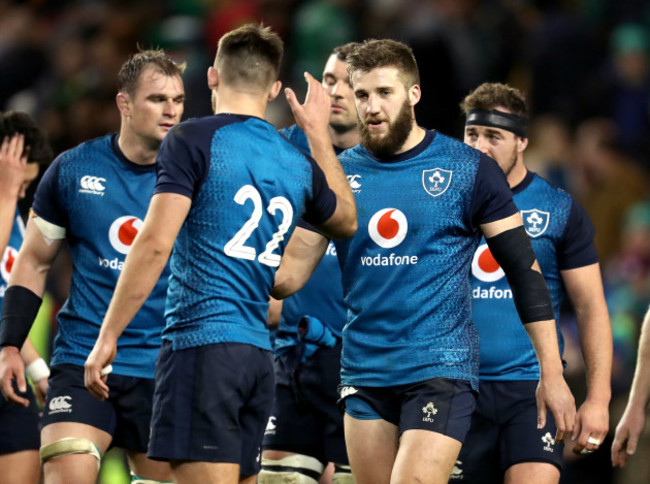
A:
{"points": [[498, 119]]}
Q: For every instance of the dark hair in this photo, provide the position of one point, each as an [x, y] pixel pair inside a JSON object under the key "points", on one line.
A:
{"points": [[127, 78], [343, 51], [36, 140], [375, 53], [250, 55], [491, 95]]}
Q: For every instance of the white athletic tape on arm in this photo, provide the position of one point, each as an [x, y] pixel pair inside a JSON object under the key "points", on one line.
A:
{"points": [[106, 370], [50, 231], [37, 370]]}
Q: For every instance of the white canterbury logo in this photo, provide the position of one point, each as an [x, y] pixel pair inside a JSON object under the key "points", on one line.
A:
{"points": [[60, 403], [92, 184]]}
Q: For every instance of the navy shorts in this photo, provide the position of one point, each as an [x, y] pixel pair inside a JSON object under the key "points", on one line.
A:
{"points": [[211, 404], [19, 426], [440, 405], [504, 432], [126, 414], [305, 417]]}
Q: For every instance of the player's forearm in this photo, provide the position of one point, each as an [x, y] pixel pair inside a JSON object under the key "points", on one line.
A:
{"points": [[543, 336], [640, 392], [7, 214], [596, 344], [323, 153], [142, 269]]}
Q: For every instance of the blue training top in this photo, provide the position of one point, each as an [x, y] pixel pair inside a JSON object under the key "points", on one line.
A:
{"points": [[406, 270], [101, 198], [248, 186], [562, 237]]}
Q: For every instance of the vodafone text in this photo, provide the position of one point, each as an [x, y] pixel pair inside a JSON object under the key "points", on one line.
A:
{"points": [[391, 260], [115, 264], [491, 293]]}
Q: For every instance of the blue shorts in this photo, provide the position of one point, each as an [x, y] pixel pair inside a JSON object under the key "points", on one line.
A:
{"points": [[504, 432], [440, 405], [19, 426], [305, 417], [126, 414], [211, 404]]}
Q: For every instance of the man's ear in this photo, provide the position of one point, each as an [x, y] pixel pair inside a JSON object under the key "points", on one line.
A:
{"points": [[275, 90], [123, 102], [522, 143], [213, 78], [414, 94]]}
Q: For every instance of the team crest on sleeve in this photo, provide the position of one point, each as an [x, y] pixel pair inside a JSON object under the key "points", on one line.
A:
{"points": [[535, 221], [436, 181]]}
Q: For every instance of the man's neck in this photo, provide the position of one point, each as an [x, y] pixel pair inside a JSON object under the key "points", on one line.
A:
{"points": [[135, 149], [344, 140], [517, 174], [414, 138], [233, 101]]}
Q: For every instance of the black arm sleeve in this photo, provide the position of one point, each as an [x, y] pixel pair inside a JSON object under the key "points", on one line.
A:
{"points": [[514, 253], [19, 309]]}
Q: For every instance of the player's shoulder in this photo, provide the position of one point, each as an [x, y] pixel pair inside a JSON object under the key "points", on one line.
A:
{"points": [[541, 184], [87, 153]]}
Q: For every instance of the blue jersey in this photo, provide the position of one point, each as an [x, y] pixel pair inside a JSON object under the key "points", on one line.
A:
{"points": [[248, 186], [101, 198], [406, 270], [297, 136], [9, 255], [562, 238]]}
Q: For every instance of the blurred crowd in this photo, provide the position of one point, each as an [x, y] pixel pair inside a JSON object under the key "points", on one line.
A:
{"points": [[584, 64]]}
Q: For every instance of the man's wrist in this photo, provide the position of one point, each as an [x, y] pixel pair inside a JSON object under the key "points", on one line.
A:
{"points": [[37, 370]]}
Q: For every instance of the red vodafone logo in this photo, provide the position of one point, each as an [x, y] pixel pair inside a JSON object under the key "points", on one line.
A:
{"points": [[484, 267], [388, 227], [123, 231], [8, 259]]}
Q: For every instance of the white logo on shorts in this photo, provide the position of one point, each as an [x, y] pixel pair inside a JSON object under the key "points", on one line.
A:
{"points": [[457, 471], [549, 442], [270, 426], [347, 391], [430, 410], [60, 404]]}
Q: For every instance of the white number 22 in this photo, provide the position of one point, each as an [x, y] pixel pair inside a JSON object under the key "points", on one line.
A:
{"points": [[235, 246]]}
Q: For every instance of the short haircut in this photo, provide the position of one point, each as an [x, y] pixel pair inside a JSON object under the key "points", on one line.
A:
{"points": [[250, 55], [127, 78], [36, 140], [343, 51], [491, 95], [374, 53]]}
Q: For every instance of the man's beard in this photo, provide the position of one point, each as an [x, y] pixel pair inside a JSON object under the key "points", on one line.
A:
{"points": [[392, 142], [342, 128]]}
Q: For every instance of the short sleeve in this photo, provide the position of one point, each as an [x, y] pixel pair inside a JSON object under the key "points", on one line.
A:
{"points": [[180, 167], [576, 248], [492, 197], [47, 202], [323, 201]]}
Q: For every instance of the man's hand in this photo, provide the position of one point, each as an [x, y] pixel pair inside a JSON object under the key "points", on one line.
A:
{"points": [[553, 394], [592, 424], [627, 435], [12, 368], [12, 164], [40, 390], [313, 116], [99, 358]]}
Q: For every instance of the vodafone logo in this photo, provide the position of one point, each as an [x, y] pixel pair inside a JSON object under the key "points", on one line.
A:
{"points": [[484, 267], [123, 231], [8, 259], [388, 227]]}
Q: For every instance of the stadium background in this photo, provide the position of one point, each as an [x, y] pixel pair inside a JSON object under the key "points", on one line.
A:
{"points": [[584, 65]]}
